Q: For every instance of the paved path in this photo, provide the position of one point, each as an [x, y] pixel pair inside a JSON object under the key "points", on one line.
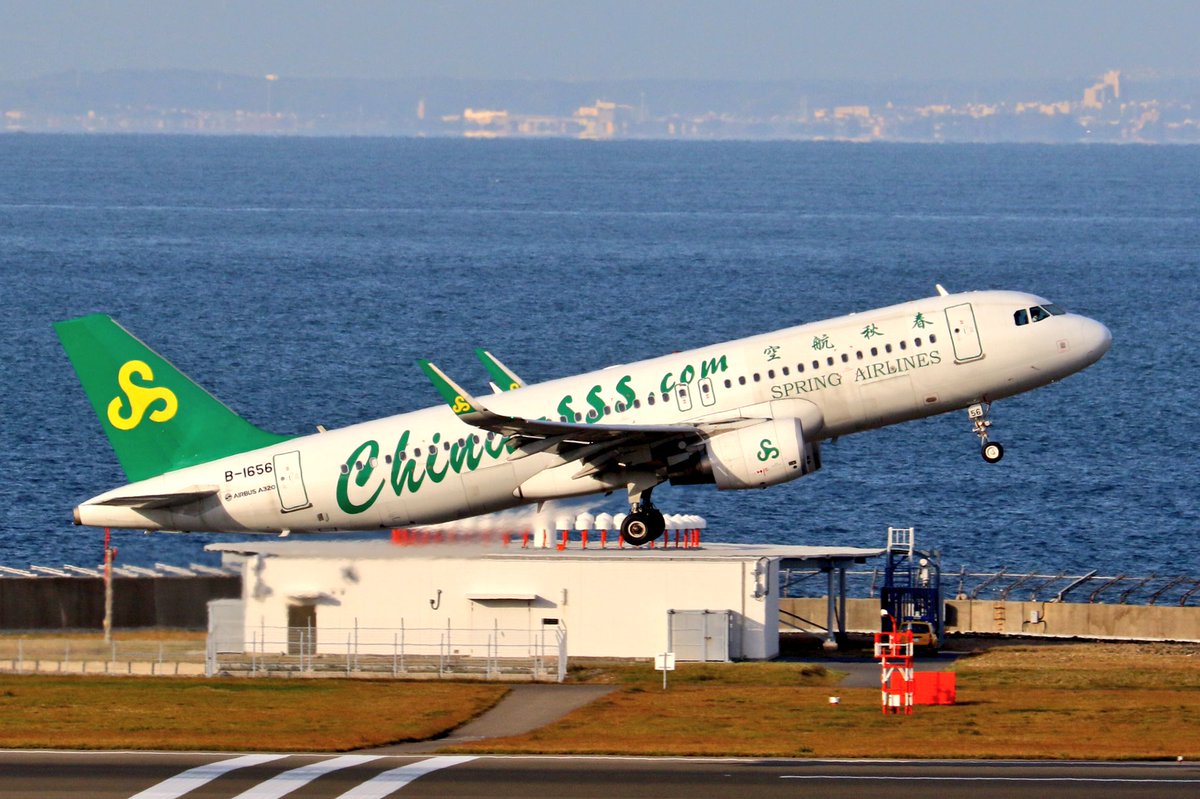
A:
{"points": [[525, 708]]}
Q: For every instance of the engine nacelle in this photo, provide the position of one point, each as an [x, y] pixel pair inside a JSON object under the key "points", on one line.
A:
{"points": [[764, 454]]}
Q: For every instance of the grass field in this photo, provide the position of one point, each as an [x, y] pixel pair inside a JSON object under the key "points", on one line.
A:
{"points": [[1109, 701], [1061, 702], [242, 714]]}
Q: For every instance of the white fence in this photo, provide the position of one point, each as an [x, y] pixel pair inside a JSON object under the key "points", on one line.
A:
{"points": [[443, 652]]}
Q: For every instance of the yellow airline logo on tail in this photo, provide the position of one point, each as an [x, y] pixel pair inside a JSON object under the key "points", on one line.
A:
{"points": [[140, 398]]}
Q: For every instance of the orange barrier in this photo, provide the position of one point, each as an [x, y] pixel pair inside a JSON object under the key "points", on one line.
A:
{"points": [[934, 688]]}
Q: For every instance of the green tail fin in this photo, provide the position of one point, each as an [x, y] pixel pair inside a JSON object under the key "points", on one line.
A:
{"points": [[155, 418]]}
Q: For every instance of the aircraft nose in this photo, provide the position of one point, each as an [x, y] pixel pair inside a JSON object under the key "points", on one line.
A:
{"points": [[1095, 339]]}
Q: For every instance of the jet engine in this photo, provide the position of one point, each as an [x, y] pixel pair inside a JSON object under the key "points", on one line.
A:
{"points": [[767, 453]]}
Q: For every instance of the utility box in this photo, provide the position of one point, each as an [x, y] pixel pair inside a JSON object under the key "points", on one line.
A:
{"points": [[226, 625], [703, 636]]}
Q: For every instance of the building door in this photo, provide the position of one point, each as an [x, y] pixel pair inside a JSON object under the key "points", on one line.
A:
{"points": [[964, 334], [289, 481], [700, 635], [302, 629]]}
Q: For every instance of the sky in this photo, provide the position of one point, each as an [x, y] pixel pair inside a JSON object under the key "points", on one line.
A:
{"points": [[871, 40]]}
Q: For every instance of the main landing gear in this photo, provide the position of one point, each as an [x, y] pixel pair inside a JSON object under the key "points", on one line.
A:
{"points": [[643, 526], [992, 451], [645, 523]]}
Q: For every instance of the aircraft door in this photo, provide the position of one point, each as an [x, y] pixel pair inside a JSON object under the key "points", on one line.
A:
{"points": [[964, 333], [289, 482]]}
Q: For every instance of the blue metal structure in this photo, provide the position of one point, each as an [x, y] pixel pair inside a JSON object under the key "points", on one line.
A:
{"points": [[912, 586]]}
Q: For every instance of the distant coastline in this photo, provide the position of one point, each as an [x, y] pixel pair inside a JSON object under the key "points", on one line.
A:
{"points": [[1110, 108]]}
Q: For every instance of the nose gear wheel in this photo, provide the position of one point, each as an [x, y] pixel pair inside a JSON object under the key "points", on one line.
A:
{"points": [[992, 451]]}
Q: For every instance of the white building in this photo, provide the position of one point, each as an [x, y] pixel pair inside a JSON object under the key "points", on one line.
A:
{"points": [[474, 602]]}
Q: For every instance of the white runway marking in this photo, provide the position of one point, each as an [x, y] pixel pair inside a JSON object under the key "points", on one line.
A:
{"points": [[195, 777], [385, 783], [984, 779], [289, 781]]}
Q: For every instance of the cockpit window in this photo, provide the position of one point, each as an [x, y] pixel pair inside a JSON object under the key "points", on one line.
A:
{"points": [[1036, 314]]}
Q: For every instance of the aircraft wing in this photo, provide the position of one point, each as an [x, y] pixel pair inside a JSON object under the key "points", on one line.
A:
{"points": [[503, 378], [160, 501], [600, 445]]}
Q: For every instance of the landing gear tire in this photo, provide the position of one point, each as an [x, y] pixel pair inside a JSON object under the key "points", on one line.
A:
{"points": [[642, 527], [992, 451]]}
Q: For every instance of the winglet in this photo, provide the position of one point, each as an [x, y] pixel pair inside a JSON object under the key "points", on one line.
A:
{"points": [[501, 375], [461, 402]]}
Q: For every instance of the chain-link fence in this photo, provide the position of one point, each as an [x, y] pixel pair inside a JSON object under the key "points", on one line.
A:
{"points": [[425, 652]]}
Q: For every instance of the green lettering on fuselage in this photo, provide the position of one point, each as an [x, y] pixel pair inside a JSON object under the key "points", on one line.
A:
{"points": [[409, 472]]}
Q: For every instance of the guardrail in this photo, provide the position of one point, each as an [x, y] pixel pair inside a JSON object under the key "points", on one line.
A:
{"points": [[1003, 585], [1036, 619]]}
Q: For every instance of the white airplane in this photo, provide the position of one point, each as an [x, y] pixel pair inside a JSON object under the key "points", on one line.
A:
{"points": [[749, 413]]}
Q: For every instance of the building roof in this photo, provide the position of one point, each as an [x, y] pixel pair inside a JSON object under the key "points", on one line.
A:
{"points": [[383, 550]]}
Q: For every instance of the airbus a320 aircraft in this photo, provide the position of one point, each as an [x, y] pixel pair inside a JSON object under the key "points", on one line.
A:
{"points": [[749, 413]]}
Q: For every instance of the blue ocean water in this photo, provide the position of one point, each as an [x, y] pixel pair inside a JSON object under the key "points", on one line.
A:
{"points": [[300, 279]]}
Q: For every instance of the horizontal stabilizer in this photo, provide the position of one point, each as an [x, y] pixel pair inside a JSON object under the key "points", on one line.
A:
{"points": [[160, 501]]}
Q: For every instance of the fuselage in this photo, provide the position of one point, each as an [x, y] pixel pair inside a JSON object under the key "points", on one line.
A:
{"points": [[861, 371]]}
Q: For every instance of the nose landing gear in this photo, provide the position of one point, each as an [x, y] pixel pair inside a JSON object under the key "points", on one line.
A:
{"points": [[992, 451]]}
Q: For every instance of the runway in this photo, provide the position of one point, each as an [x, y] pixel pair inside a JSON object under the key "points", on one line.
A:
{"points": [[164, 775]]}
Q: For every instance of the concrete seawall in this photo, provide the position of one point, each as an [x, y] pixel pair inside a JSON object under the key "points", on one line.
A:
{"points": [[1052, 619]]}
